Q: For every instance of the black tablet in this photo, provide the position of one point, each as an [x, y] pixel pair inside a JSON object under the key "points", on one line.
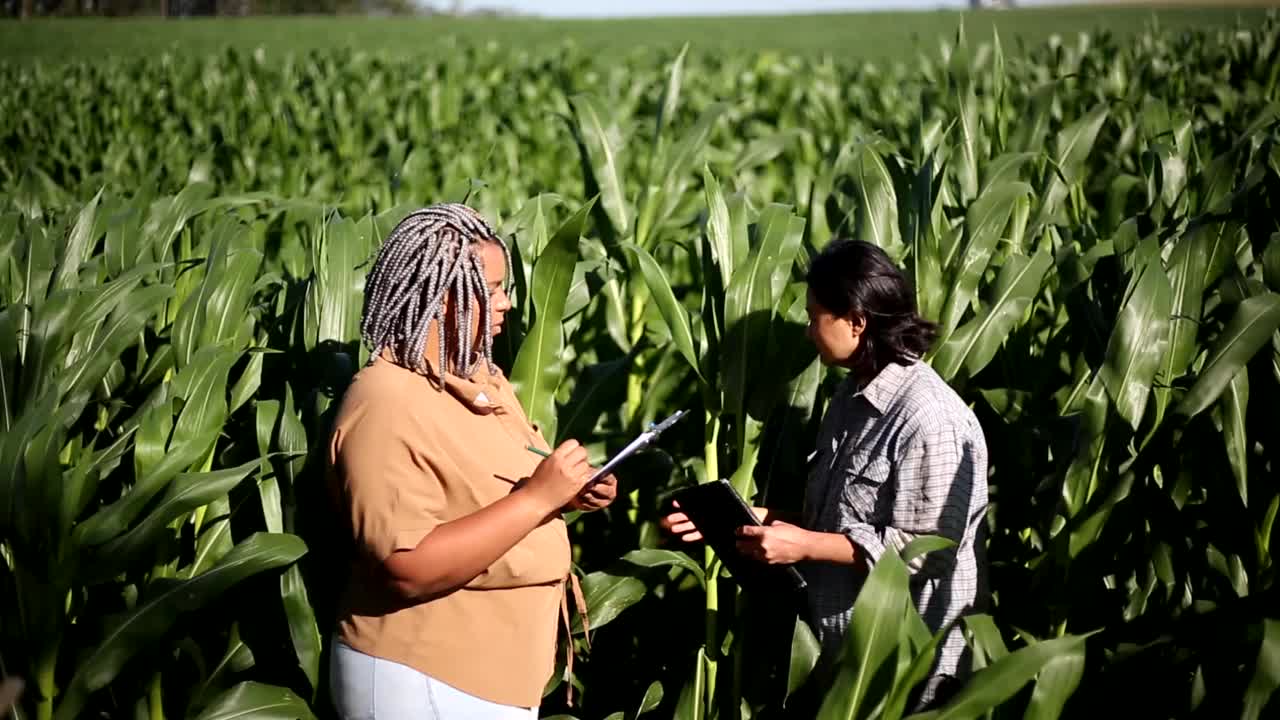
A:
{"points": [[717, 511]]}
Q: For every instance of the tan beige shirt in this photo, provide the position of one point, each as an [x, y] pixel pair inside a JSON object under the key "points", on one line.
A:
{"points": [[408, 454]]}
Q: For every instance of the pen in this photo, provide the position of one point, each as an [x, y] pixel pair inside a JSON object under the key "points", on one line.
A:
{"points": [[536, 451]]}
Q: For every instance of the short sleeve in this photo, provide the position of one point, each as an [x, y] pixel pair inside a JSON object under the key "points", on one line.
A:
{"points": [[391, 495]]}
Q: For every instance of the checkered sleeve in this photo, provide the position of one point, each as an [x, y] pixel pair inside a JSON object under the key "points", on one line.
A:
{"points": [[935, 476]]}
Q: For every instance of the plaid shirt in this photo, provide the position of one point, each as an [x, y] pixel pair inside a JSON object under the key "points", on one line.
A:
{"points": [[900, 458]]}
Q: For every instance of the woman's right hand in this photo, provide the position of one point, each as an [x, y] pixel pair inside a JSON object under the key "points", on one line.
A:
{"points": [[561, 476]]}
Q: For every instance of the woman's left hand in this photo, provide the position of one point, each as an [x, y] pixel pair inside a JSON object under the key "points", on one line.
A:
{"points": [[777, 543], [597, 496]]}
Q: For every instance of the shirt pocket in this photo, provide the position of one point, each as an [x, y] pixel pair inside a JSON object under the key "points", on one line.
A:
{"points": [[868, 491]]}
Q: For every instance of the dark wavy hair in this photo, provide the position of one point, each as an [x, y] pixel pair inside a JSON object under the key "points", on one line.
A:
{"points": [[852, 276]]}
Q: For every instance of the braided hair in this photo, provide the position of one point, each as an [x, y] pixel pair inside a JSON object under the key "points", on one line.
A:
{"points": [[430, 253]]}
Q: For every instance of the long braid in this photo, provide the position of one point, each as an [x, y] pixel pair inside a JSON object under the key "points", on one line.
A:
{"points": [[431, 255]]}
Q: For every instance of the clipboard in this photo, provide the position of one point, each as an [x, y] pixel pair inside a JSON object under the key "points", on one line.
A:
{"points": [[642, 441], [717, 511]]}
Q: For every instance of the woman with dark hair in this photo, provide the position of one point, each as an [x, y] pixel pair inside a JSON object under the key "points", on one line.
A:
{"points": [[899, 455]]}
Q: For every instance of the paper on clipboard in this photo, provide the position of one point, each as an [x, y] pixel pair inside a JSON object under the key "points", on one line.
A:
{"points": [[641, 441]]}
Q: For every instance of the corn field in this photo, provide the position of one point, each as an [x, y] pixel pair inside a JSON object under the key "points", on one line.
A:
{"points": [[1093, 224]]}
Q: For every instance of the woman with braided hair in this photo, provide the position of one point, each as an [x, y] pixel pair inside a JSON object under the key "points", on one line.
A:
{"points": [[461, 558]]}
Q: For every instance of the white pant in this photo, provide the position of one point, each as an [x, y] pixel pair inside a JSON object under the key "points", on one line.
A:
{"points": [[364, 687]]}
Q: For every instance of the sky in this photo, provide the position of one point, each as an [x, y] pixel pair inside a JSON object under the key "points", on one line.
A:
{"points": [[621, 8]]}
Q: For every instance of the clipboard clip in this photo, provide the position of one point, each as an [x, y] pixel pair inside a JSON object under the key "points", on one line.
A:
{"points": [[662, 426]]}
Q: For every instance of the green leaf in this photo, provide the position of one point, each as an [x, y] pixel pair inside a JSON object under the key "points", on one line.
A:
{"points": [[187, 492], [1199, 258], [916, 672], [673, 313], [608, 595], [1248, 331], [1005, 169], [924, 545], [164, 604], [871, 640], [334, 296], [78, 247], [202, 384], [1235, 430], [671, 93], [1266, 672], [247, 386], [986, 641], [1271, 263], [719, 232], [603, 144], [690, 704], [751, 301], [236, 658], [995, 684], [291, 440], [51, 324], [1082, 473], [970, 141], [303, 630], [79, 486], [213, 539], [679, 166], [1138, 342], [804, 655], [1088, 527], [122, 330], [538, 366], [975, 343], [877, 218], [984, 225], [251, 699], [227, 304], [926, 255], [652, 698], [1070, 153], [763, 150], [1055, 684], [652, 557]]}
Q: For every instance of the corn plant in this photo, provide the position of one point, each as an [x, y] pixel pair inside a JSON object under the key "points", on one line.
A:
{"points": [[1090, 223]]}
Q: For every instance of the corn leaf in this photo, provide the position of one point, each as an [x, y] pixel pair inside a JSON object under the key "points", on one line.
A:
{"points": [[1235, 430], [1266, 672], [257, 700], [187, 492], [750, 300], [602, 140], [164, 605], [804, 655], [1246, 333], [985, 223], [673, 313], [871, 640], [1055, 684], [539, 362], [1138, 343], [974, 344]]}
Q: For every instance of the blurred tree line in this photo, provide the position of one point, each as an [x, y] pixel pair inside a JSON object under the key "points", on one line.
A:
{"points": [[230, 8]]}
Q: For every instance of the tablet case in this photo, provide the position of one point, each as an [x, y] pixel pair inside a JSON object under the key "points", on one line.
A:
{"points": [[717, 510]]}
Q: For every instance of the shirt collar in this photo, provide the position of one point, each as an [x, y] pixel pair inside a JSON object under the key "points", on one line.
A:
{"points": [[885, 385], [480, 392]]}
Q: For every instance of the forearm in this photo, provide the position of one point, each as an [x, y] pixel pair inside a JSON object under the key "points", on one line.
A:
{"points": [[454, 553], [833, 548]]}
